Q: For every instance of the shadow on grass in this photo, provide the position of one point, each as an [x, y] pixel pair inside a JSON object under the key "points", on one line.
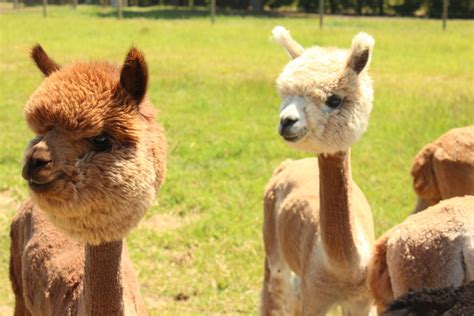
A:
{"points": [[174, 14]]}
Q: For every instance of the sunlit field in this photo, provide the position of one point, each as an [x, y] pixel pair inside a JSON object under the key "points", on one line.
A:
{"points": [[199, 250]]}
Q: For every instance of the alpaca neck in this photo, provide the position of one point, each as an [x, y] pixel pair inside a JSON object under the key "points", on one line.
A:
{"points": [[103, 288], [336, 214]]}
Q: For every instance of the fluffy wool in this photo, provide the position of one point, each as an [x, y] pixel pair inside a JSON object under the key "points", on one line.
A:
{"points": [[320, 72], [317, 247], [430, 249], [444, 168], [99, 196], [93, 169], [448, 301]]}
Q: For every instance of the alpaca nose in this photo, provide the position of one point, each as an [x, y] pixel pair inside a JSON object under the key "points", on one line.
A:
{"points": [[286, 124], [38, 165]]}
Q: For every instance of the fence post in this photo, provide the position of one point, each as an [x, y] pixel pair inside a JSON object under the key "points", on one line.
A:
{"points": [[119, 9], [321, 13], [445, 13], [213, 11], [45, 11]]}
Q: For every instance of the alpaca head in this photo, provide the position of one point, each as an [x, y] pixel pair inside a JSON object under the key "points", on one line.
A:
{"points": [[98, 157], [327, 94]]}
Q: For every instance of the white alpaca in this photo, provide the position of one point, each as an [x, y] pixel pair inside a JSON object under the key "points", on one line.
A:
{"points": [[318, 229]]}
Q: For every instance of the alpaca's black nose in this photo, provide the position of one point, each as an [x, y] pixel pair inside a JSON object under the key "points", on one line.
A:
{"points": [[38, 165], [285, 126]]}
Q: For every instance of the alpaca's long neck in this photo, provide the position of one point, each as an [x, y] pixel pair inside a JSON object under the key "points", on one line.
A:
{"points": [[336, 214], [103, 287]]}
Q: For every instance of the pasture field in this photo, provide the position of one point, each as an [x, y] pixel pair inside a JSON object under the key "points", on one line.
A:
{"points": [[199, 250]]}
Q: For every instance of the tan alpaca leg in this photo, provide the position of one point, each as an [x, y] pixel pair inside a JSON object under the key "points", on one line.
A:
{"points": [[362, 307], [314, 305], [280, 294]]}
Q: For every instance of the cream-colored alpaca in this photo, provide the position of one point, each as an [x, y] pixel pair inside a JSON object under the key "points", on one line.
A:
{"points": [[444, 168], [94, 167], [430, 249], [318, 229]]}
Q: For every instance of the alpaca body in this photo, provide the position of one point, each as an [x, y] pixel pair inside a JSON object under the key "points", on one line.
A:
{"points": [[449, 301], [318, 227], [94, 167], [445, 168], [292, 204], [42, 257], [430, 249]]}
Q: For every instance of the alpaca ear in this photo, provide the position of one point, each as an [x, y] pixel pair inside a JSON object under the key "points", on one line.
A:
{"points": [[134, 75], [422, 172], [283, 37], [361, 52], [42, 60]]}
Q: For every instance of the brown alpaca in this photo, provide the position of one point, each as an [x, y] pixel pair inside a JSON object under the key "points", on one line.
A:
{"points": [[444, 168], [93, 169], [318, 229], [430, 249]]}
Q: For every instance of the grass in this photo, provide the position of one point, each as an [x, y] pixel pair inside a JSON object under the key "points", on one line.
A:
{"points": [[199, 250]]}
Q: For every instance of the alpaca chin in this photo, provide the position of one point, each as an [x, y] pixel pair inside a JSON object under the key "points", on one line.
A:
{"points": [[106, 214]]}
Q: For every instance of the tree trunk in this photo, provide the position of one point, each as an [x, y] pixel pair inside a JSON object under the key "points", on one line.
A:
{"points": [[359, 4], [74, 4], [257, 5], [333, 6], [381, 9]]}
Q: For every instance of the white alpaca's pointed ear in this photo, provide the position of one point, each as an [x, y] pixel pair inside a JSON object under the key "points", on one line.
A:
{"points": [[283, 37], [361, 52]]}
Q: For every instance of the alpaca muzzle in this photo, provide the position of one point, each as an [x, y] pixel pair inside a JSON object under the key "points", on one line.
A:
{"points": [[38, 167]]}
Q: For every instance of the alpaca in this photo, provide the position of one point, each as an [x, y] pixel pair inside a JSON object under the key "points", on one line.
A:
{"points": [[430, 249], [94, 167], [318, 234], [444, 168], [431, 302]]}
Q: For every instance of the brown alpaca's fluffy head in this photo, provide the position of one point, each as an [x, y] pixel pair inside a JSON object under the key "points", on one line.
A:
{"points": [[98, 158], [327, 94]]}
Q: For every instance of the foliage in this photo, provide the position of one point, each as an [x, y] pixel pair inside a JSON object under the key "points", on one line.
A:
{"points": [[199, 250]]}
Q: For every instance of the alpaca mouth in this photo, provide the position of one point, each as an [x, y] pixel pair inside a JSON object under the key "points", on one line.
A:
{"points": [[39, 186], [293, 138], [43, 186]]}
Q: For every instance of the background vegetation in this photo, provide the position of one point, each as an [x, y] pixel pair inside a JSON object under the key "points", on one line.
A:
{"points": [[420, 8], [199, 250]]}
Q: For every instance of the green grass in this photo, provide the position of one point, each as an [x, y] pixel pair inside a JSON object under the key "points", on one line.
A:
{"points": [[214, 85]]}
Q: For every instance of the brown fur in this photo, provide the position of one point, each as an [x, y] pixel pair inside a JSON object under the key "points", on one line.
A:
{"points": [[93, 169], [445, 168], [318, 229], [431, 249]]}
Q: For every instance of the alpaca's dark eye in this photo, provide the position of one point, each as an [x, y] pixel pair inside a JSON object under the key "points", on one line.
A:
{"points": [[101, 142], [334, 101]]}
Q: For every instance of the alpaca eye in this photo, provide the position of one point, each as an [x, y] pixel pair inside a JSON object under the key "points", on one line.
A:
{"points": [[101, 142], [334, 101]]}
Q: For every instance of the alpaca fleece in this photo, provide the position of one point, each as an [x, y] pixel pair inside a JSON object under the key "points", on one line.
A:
{"points": [[430, 249], [451, 301], [47, 270], [318, 228], [100, 196], [320, 72], [445, 168]]}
